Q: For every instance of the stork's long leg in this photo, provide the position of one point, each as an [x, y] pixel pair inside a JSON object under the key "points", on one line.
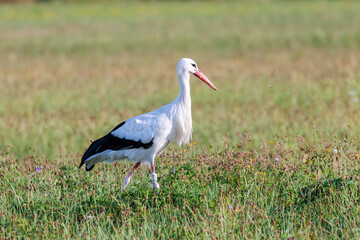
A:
{"points": [[154, 177], [128, 177]]}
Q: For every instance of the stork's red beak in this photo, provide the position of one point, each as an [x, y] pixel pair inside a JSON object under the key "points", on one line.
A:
{"points": [[202, 76]]}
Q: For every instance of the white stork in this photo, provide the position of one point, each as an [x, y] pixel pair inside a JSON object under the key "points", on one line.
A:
{"points": [[140, 139]]}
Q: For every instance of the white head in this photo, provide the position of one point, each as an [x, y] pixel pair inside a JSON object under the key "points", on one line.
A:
{"points": [[187, 65]]}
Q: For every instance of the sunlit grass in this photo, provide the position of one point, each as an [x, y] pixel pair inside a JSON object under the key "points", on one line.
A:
{"points": [[278, 142]]}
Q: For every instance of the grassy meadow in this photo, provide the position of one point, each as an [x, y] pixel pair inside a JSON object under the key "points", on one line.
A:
{"points": [[274, 154]]}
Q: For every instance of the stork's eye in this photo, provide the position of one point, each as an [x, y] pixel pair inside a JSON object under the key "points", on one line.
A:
{"points": [[194, 65]]}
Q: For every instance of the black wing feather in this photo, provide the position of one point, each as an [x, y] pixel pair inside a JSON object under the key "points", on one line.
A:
{"points": [[111, 142]]}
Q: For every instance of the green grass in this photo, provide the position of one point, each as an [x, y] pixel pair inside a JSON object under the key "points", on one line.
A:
{"points": [[287, 74]]}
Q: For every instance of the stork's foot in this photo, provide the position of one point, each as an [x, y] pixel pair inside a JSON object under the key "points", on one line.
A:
{"points": [[156, 185], [154, 182]]}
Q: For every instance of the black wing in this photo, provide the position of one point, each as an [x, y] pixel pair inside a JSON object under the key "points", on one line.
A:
{"points": [[111, 142]]}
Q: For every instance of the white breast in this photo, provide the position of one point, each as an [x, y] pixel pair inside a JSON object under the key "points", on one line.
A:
{"points": [[182, 124]]}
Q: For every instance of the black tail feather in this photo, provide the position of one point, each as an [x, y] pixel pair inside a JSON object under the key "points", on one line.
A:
{"points": [[89, 169], [92, 150]]}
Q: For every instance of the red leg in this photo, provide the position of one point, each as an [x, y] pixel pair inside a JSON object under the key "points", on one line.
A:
{"points": [[128, 177], [152, 168]]}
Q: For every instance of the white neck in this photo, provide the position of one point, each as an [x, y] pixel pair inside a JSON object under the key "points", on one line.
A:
{"points": [[184, 95], [182, 110]]}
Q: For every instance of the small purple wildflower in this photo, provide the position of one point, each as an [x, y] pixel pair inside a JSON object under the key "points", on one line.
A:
{"points": [[276, 160], [230, 207], [38, 169], [174, 170]]}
